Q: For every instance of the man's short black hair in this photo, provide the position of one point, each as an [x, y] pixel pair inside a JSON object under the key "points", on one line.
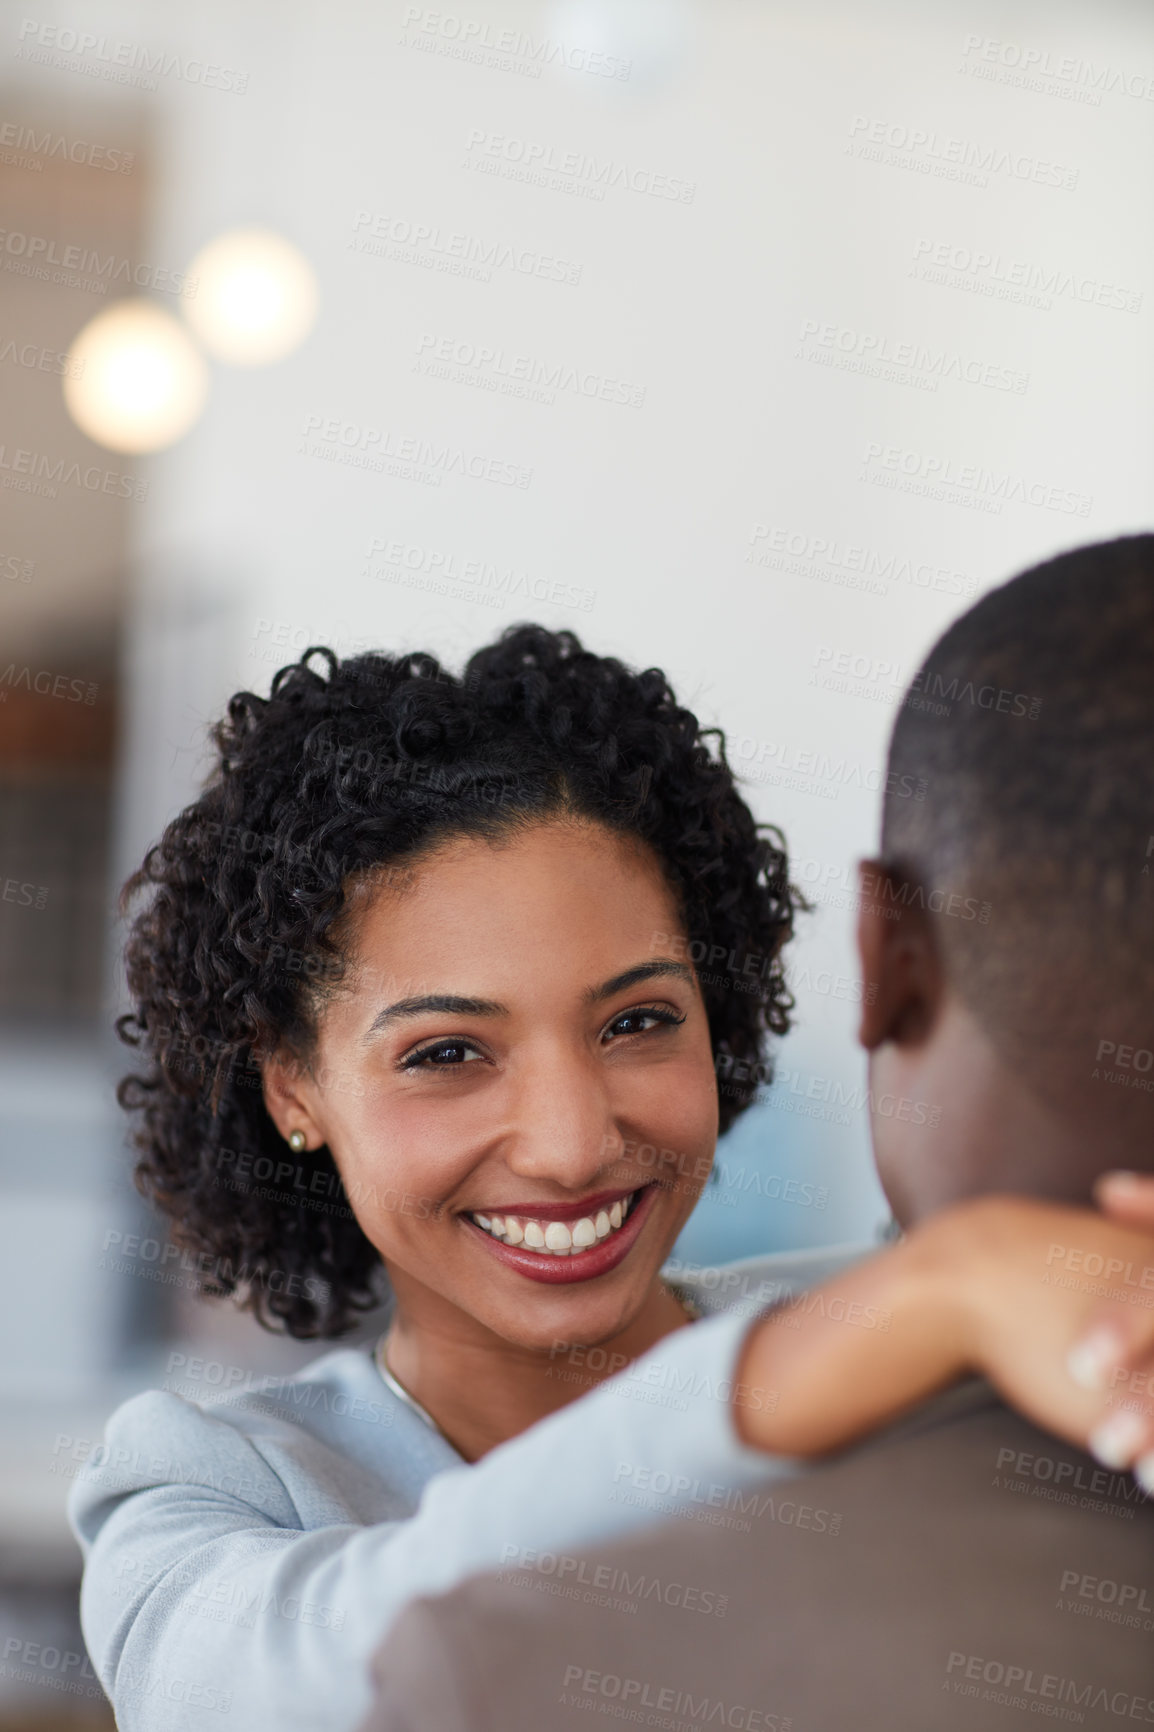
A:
{"points": [[1031, 723]]}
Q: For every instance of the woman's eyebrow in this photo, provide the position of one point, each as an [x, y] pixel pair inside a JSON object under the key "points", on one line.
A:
{"points": [[447, 1002], [634, 976], [451, 1004]]}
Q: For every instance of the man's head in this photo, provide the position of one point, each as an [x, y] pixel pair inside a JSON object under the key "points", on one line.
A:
{"points": [[1009, 925]]}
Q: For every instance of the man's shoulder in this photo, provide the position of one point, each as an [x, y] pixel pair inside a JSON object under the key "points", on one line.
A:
{"points": [[962, 1538], [966, 1451]]}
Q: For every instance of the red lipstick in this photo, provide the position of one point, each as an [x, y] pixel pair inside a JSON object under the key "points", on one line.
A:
{"points": [[586, 1265]]}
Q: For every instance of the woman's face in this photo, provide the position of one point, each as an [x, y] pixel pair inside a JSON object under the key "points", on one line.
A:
{"points": [[517, 1085]]}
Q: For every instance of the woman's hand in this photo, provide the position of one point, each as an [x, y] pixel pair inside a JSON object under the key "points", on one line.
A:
{"points": [[1127, 1197], [1116, 1353], [1054, 1305]]}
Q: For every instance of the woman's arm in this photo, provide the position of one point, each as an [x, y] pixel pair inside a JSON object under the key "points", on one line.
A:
{"points": [[201, 1559], [227, 1568], [1054, 1305]]}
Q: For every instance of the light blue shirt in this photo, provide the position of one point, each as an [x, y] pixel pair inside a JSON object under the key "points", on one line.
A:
{"points": [[244, 1558]]}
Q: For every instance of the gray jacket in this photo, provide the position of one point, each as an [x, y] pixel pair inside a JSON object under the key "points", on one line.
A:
{"points": [[245, 1556]]}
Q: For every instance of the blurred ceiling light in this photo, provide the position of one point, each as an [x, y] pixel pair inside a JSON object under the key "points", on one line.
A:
{"points": [[138, 380], [255, 299]]}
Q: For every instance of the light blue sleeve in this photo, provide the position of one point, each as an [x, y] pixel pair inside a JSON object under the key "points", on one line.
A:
{"points": [[200, 1525]]}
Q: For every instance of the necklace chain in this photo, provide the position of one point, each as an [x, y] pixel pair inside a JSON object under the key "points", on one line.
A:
{"points": [[689, 1306], [400, 1391]]}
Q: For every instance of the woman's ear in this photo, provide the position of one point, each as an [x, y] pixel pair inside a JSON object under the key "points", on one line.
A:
{"points": [[902, 980], [290, 1098]]}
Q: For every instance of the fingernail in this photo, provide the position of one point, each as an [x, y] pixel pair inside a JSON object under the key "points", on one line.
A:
{"points": [[1091, 1360], [1120, 1179], [1144, 1473], [1117, 1439]]}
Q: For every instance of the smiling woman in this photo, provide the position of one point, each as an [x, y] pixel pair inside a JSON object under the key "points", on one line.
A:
{"points": [[418, 955], [378, 847], [515, 1101], [428, 935]]}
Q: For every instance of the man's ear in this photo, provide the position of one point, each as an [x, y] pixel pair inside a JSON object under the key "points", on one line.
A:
{"points": [[290, 1098], [902, 979]]}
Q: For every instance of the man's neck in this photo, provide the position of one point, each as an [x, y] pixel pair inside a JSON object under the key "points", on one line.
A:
{"points": [[998, 1125]]}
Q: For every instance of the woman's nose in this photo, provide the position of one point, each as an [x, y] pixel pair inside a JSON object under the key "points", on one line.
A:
{"points": [[563, 1125]]}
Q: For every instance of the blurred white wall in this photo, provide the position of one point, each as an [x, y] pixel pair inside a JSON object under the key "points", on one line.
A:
{"points": [[898, 304]]}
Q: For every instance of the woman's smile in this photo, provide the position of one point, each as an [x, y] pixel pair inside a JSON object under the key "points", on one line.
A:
{"points": [[551, 1037], [562, 1242]]}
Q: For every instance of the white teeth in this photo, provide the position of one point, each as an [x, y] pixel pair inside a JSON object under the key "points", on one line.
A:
{"points": [[557, 1238]]}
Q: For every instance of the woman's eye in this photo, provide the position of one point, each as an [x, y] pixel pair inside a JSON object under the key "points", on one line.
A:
{"points": [[442, 1055], [636, 1021]]}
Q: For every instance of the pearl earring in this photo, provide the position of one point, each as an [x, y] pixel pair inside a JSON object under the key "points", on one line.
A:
{"points": [[297, 1142]]}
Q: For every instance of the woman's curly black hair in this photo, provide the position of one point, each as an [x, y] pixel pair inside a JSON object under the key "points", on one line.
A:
{"points": [[368, 764]]}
